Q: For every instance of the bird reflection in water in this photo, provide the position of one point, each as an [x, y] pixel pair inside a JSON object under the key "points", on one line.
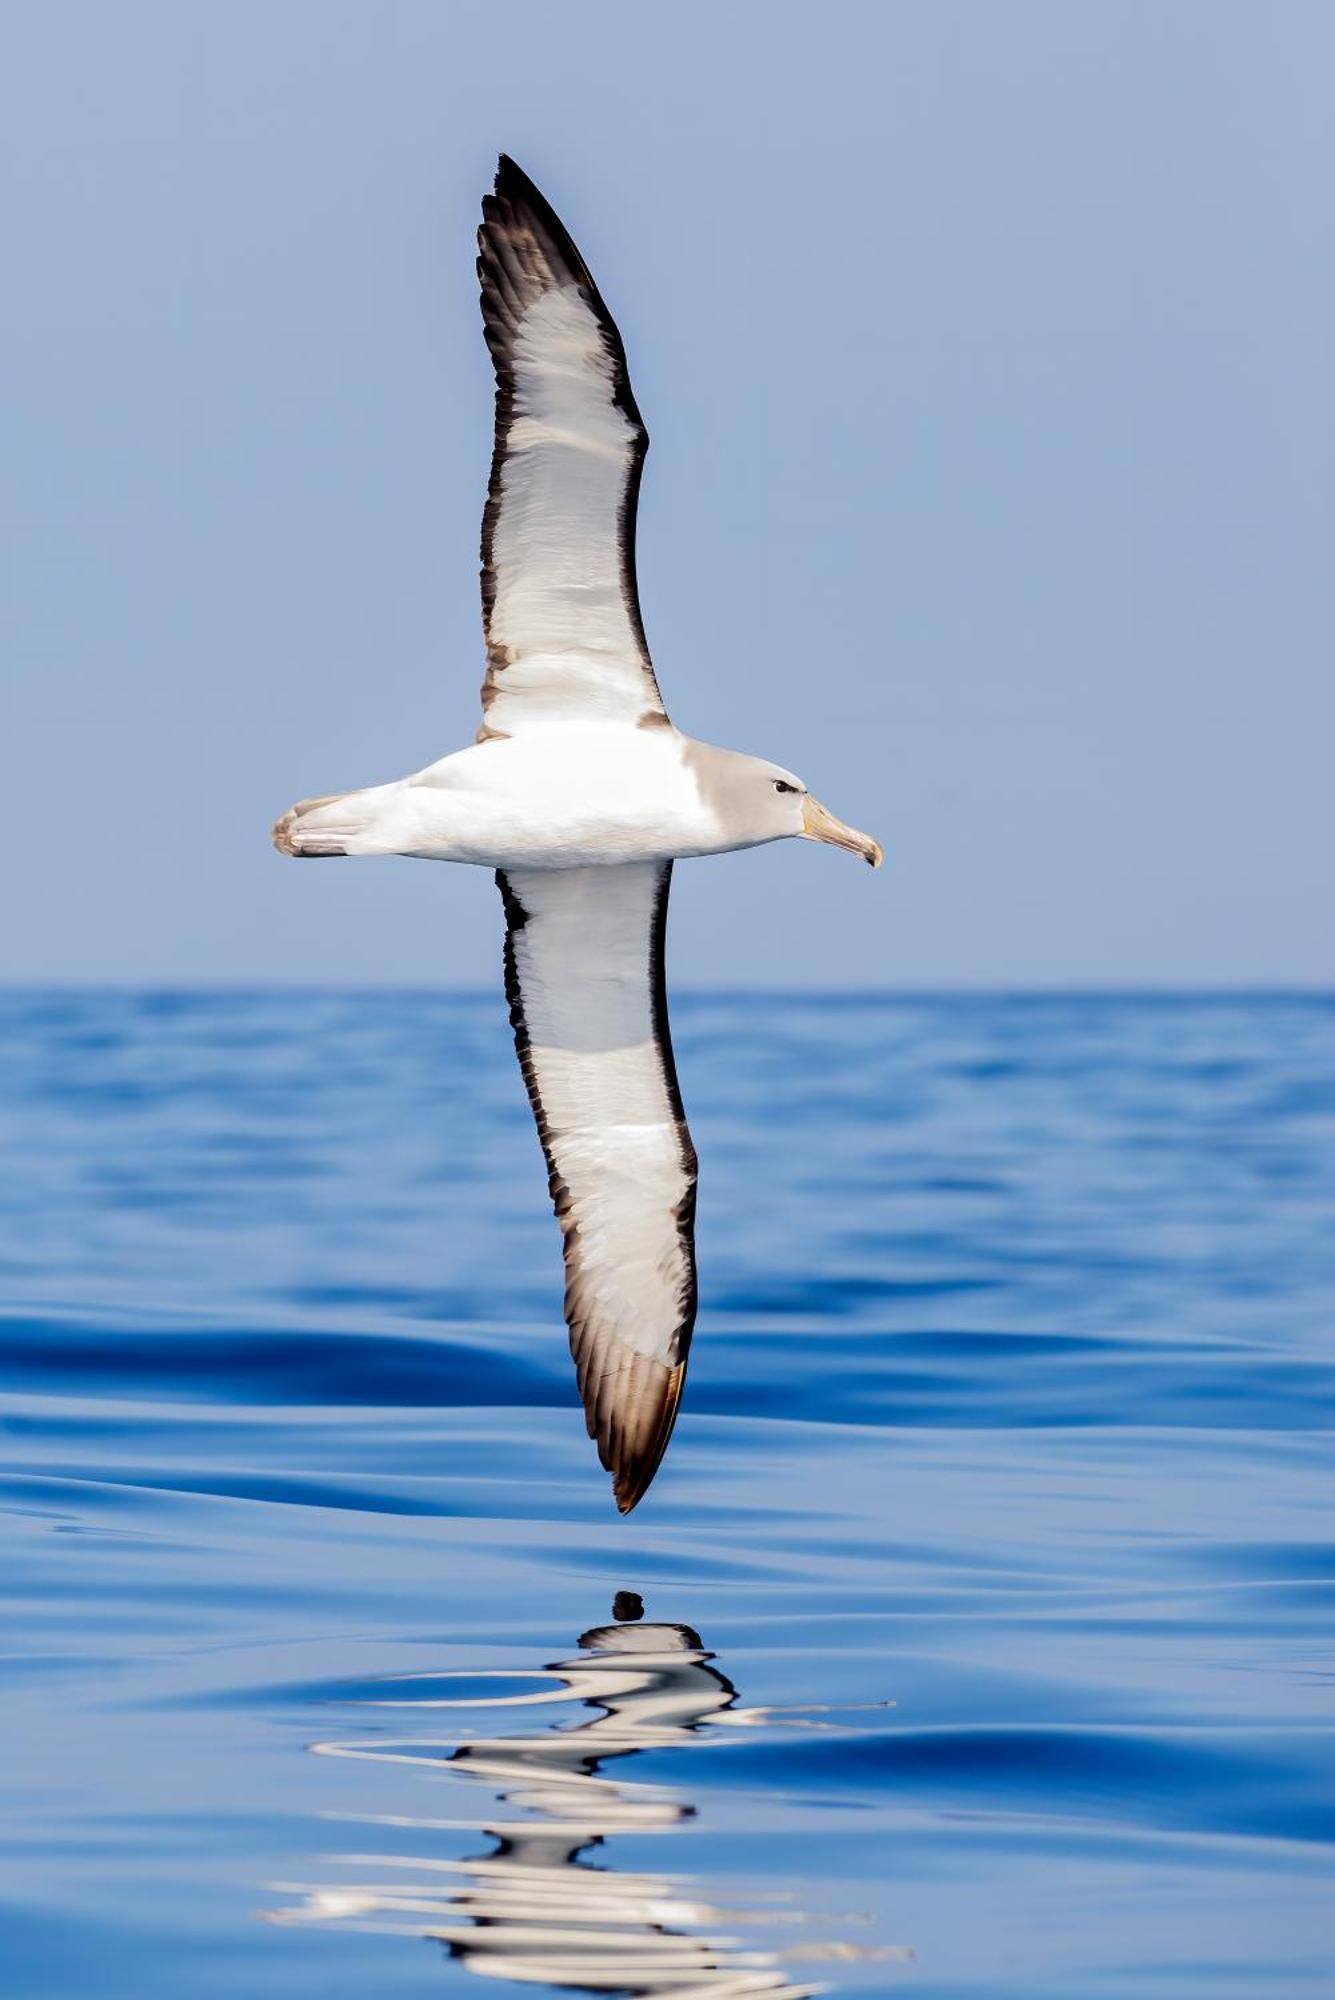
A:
{"points": [[533, 1908]]}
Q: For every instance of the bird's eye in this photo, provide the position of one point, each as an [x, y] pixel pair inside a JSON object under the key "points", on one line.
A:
{"points": [[780, 786]]}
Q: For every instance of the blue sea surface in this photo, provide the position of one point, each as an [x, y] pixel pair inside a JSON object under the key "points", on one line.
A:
{"points": [[976, 1639]]}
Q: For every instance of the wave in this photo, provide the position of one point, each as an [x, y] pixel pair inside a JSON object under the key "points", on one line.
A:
{"points": [[744, 1367]]}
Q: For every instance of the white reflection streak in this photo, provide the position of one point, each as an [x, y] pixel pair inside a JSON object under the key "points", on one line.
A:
{"points": [[532, 1911]]}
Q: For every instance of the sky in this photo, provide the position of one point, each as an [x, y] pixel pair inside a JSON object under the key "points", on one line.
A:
{"points": [[986, 354]]}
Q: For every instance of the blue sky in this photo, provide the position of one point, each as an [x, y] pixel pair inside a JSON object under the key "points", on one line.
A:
{"points": [[986, 355]]}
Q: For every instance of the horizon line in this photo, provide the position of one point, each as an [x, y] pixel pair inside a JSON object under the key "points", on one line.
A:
{"points": [[686, 990]]}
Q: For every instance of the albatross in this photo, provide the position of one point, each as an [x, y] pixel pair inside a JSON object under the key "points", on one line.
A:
{"points": [[580, 794]]}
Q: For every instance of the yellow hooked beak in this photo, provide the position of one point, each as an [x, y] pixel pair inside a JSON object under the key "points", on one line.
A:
{"points": [[817, 824]]}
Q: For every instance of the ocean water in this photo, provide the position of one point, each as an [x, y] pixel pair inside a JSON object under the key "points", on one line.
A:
{"points": [[978, 1636]]}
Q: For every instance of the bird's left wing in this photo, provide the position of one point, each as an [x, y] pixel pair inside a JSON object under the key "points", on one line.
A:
{"points": [[584, 974], [559, 601]]}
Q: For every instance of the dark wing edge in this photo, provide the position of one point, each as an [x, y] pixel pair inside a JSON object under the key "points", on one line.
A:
{"points": [[524, 250], [631, 1411]]}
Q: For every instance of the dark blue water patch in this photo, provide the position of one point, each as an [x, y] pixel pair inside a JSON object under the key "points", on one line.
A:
{"points": [[937, 1380], [1269, 1785], [1267, 1562], [282, 1366], [811, 1297]]}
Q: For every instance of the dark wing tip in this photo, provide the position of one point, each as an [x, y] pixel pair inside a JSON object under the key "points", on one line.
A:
{"points": [[512, 184], [529, 207], [634, 1461], [511, 178]]}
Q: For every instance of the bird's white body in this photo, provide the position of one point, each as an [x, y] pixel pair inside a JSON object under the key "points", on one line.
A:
{"points": [[561, 795]]}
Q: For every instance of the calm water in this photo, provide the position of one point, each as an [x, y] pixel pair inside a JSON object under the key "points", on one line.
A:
{"points": [[988, 1591]]}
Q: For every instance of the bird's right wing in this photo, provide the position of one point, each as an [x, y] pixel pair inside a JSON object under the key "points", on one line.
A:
{"points": [[559, 601], [584, 974]]}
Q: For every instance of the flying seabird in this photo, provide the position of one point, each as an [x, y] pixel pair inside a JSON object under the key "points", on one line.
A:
{"points": [[581, 794]]}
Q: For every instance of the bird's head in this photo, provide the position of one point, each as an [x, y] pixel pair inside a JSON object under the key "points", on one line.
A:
{"points": [[756, 801]]}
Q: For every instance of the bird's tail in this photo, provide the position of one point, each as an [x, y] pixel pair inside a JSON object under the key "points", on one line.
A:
{"points": [[296, 831], [342, 823]]}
